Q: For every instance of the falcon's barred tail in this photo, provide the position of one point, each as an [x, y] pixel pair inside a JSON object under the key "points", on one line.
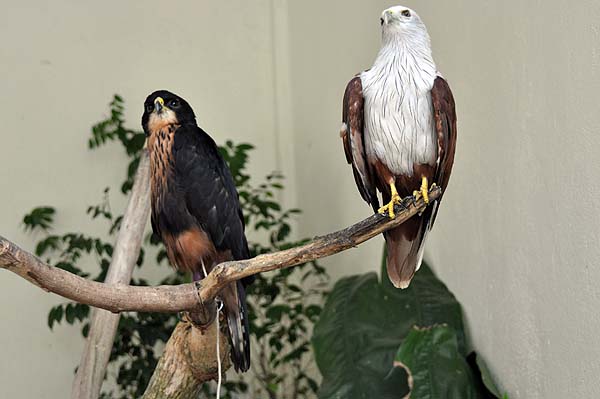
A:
{"points": [[234, 306], [405, 245]]}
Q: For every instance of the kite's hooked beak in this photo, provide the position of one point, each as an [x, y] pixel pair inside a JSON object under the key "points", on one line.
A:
{"points": [[159, 104], [388, 16]]}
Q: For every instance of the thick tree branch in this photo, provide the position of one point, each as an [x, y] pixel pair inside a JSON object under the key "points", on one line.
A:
{"points": [[103, 324], [189, 359], [120, 298]]}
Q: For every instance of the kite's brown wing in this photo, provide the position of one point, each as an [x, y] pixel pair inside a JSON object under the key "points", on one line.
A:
{"points": [[444, 114], [445, 125], [352, 134]]}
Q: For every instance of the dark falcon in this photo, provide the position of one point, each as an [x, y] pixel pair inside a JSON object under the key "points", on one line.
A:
{"points": [[195, 206]]}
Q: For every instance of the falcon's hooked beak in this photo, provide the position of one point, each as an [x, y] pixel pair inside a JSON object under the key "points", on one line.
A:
{"points": [[159, 104]]}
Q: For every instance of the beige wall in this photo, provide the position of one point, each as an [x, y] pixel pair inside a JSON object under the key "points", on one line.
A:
{"points": [[517, 236], [273, 72], [60, 63]]}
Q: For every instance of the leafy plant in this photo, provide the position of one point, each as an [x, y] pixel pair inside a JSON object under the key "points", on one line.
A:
{"points": [[435, 365], [283, 304], [372, 339]]}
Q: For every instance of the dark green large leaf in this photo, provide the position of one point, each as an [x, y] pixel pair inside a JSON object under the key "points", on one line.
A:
{"points": [[364, 322], [483, 377], [435, 366]]}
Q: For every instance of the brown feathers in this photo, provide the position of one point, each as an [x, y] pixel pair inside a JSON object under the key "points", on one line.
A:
{"points": [[160, 144], [444, 114], [352, 134], [190, 249]]}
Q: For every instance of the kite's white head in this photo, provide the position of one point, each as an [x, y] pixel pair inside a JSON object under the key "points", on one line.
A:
{"points": [[400, 23]]}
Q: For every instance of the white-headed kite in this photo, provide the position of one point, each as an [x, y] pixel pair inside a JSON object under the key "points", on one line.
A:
{"points": [[399, 133]]}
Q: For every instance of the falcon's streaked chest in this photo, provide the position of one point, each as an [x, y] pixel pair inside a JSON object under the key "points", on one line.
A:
{"points": [[160, 146], [399, 123]]}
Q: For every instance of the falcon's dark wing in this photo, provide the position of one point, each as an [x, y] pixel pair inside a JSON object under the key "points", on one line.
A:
{"points": [[352, 134], [212, 200], [210, 193], [444, 114]]}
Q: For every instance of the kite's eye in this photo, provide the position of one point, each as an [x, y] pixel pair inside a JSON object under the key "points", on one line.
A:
{"points": [[174, 103], [381, 21], [149, 108], [406, 13]]}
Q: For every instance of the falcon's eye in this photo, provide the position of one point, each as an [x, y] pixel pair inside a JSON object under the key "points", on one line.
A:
{"points": [[381, 21], [174, 103], [406, 13], [149, 108]]}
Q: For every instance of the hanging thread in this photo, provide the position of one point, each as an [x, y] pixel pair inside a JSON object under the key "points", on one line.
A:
{"points": [[219, 307]]}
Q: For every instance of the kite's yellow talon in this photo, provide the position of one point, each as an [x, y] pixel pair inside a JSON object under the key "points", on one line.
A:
{"points": [[423, 192], [389, 208]]}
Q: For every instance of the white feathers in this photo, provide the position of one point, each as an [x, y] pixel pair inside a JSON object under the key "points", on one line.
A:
{"points": [[399, 125]]}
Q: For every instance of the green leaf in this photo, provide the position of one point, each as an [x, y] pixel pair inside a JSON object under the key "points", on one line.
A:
{"points": [[136, 143], [364, 322], [71, 268], [51, 243], [70, 313], [39, 218], [312, 312], [81, 311], [483, 376], [275, 312], [85, 330], [55, 315], [435, 366]]}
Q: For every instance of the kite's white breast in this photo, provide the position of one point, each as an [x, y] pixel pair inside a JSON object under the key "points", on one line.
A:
{"points": [[399, 125]]}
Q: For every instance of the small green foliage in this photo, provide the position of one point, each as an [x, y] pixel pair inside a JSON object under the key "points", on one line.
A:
{"points": [[113, 128], [55, 316], [39, 218], [283, 305]]}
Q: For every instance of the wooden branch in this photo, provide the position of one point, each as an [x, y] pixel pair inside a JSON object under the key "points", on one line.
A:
{"points": [[120, 298], [189, 359], [103, 324]]}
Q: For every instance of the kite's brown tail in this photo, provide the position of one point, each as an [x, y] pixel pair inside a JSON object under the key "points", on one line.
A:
{"points": [[405, 245], [236, 312]]}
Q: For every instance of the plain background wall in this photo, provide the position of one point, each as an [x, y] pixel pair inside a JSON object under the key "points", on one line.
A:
{"points": [[60, 64], [517, 236]]}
